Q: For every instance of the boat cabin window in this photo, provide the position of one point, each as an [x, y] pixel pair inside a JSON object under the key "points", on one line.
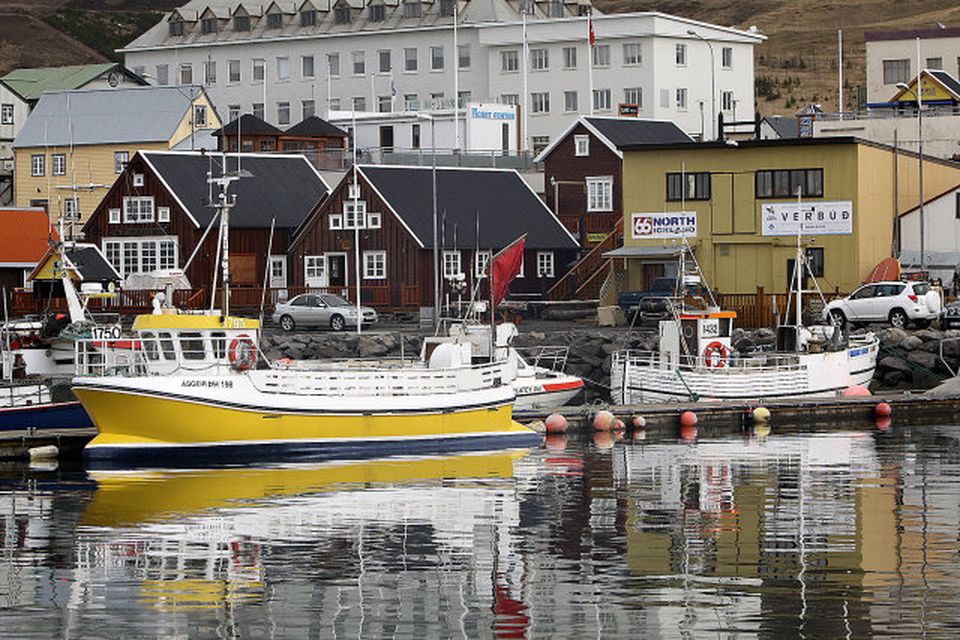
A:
{"points": [[150, 346], [166, 344], [192, 346], [219, 341]]}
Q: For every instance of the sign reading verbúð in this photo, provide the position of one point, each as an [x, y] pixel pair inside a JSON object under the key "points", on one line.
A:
{"points": [[819, 218], [678, 224]]}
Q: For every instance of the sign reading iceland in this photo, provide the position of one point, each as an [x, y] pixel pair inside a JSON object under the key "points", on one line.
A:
{"points": [[817, 218], [680, 224]]}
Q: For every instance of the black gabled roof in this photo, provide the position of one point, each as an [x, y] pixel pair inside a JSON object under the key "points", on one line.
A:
{"points": [[507, 207], [249, 125], [633, 131], [785, 127], [315, 127], [285, 186], [90, 263], [946, 79]]}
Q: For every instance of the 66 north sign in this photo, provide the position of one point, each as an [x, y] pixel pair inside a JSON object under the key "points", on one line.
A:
{"points": [[681, 224]]}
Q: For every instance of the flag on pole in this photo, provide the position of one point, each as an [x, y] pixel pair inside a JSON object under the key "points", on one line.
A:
{"points": [[593, 38], [505, 267]]}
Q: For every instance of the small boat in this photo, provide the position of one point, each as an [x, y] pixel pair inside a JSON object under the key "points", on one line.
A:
{"points": [[30, 407]]}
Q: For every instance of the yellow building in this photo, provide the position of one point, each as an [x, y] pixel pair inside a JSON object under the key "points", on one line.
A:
{"points": [[742, 210], [83, 139]]}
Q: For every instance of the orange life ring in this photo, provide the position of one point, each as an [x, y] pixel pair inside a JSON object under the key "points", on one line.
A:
{"points": [[715, 355], [242, 353]]}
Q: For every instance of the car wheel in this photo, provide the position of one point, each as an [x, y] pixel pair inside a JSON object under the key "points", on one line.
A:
{"points": [[898, 318], [837, 318], [337, 323], [287, 323], [921, 324]]}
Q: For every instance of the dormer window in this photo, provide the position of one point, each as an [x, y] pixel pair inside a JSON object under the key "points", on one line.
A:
{"points": [[447, 7], [208, 25], [176, 28], [583, 10], [274, 20], [378, 13], [412, 9], [554, 9], [341, 14], [308, 18], [241, 23]]}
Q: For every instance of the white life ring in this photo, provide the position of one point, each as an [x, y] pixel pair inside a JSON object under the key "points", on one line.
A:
{"points": [[242, 353]]}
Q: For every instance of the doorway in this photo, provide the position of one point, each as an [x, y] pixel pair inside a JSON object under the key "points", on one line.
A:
{"points": [[336, 269]]}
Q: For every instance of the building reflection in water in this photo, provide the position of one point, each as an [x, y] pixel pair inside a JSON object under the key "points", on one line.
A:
{"points": [[848, 533]]}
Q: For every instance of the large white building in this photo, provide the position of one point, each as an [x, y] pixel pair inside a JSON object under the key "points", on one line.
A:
{"points": [[286, 60], [892, 57]]}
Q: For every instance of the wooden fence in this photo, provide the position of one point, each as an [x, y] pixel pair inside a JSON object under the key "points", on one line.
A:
{"points": [[762, 309]]}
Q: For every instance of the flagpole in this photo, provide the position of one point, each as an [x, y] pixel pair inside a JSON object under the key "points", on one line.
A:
{"points": [[356, 223], [329, 87], [590, 59], [526, 95], [456, 76]]}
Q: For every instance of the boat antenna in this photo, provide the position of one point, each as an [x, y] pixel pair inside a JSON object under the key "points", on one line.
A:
{"points": [[800, 263], [356, 230], [266, 271]]}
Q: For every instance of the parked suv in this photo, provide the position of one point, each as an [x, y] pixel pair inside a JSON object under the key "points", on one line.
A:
{"points": [[898, 303]]}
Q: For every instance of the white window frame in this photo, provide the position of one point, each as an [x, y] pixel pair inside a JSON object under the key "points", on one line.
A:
{"points": [[113, 215], [374, 220], [726, 101], [434, 58], [210, 72], [163, 214], [358, 63], [318, 266], [681, 98], [637, 93], [333, 65], [545, 264], [540, 102], [632, 54], [138, 179], [354, 218], [463, 56], [58, 164], [336, 221], [509, 61], [259, 66], [452, 265], [539, 59], [571, 101], [70, 208], [138, 214], [306, 61], [599, 193], [6, 114], [602, 100], [481, 263], [283, 68], [166, 252], [726, 58], [601, 55], [680, 54], [185, 75], [411, 61], [234, 65], [581, 145], [120, 160], [38, 165], [569, 57], [199, 116], [374, 265]]}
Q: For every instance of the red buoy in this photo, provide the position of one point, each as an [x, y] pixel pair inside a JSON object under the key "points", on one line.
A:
{"points": [[688, 419], [884, 410], [556, 442], [618, 425], [603, 420], [856, 390], [556, 423], [883, 423], [688, 433]]}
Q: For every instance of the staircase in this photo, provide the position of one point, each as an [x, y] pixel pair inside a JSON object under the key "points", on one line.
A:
{"points": [[585, 280]]}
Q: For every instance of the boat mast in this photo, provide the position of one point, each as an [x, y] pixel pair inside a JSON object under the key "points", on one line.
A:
{"points": [[224, 203], [800, 263]]}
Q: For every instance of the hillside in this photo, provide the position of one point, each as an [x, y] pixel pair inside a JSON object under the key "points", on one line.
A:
{"points": [[797, 64]]}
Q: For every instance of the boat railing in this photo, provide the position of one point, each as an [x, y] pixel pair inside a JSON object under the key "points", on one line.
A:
{"points": [[23, 394], [103, 358], [548, 357], [763, 361]]}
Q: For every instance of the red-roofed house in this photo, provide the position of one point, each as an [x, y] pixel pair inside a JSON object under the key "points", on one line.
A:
{"points": [[24, 239]]}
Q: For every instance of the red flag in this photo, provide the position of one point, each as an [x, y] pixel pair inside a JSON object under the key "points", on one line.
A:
{"points": [[593, 38], [505, 267]]}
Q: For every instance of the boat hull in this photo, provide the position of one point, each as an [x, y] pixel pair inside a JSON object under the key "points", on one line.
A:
{"points": [[538, 395], [54, 416]]}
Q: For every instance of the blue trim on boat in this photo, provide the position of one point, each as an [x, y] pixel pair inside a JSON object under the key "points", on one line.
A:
{"points": [[186, 456], [62, 416]]}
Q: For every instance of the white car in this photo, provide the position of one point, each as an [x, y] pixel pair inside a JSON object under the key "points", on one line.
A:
{"points": [[898, 303]]}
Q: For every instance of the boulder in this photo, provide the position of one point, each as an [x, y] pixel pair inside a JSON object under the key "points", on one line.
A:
{"points": [[372, 347], [910, 343], [950, 388], [923, 359], [892, 337], [929, 334], [926, 380], [893, 363], [893, 377]]}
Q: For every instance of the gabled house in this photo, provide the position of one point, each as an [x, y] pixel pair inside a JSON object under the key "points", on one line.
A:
{"points": [[86, 137], [155, 213], [313, 136], [24, 238], [583, 170], [393, 206], [83, 262]]}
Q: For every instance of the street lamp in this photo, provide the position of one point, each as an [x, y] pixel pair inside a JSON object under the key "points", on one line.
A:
{"points": [[903, 86], [713, 82], [436, 244]]}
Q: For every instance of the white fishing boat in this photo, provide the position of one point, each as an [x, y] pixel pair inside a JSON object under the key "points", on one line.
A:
{"points": [[696, 360]]}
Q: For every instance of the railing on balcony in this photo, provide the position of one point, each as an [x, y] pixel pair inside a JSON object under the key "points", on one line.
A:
{"points": [[341, 159], [581, 276]]}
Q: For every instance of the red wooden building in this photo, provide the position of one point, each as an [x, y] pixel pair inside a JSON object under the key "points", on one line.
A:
{"points": [[393, 207]]}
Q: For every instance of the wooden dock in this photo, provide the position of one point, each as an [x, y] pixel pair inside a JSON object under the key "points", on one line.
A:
{"points": [[16, 445]]}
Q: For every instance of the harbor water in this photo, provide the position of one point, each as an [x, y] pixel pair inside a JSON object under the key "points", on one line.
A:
{"points": [[850, 531]]}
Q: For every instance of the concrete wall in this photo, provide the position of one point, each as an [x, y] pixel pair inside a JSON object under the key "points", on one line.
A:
{"points": [[941, 131]]}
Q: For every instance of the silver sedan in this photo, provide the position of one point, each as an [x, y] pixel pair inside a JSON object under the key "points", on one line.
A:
{"points": [[321, 310]]}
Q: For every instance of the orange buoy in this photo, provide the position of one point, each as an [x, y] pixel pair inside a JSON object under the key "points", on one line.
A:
{"points": [[884, 410], [883, 423], [603, 440], [855, 391], [639, 422], [603, 420], [688, 419], [556, 442], [556, 423]]}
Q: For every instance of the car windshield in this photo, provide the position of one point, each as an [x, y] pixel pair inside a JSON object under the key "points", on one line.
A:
{"points": [[921, 288], [334, 301]]}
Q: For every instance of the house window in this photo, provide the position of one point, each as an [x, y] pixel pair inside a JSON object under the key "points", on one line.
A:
{"points": [[374, 220], [113, 216], [411, 102], [569, 57], [463, 56], [815, 260], [540, 143], [163, 77], [436, 100], [581, 144], [415, 136], [138, 179], [509, 61], [541, 102], [384, 104], [233, 112], [412, 9], [259, 69], [359, 103], [120, 160], [241, 23], [210, 72], [137, 209], [199, 116], [148, 256], [341, 14], [354, 214], [544, 264], [163, 214], [784, 183], [410, 59], [274, 20], [208, 25], [112, 251], [336, 221], [726, 100], [600, 194], [257, 113], [935, 63], [141, 255], [895, 71], [688, 186], [631, 53], [680, 57], [308, 108], [601, 55], [726, 57], [306, 66], [633, 95], [510, 98], [6, 114], [313, 269], [383, 61], [283, 68], [186, 74], [70, 211], [463, 98], [334, 104], [308, 18], [447, 8], [176, 28], [539, 59], [481, 260], [359, 63], [570, 101], [375, 265], [59, 164], [436, 58], [681, 99], [378, 13], [38, 165], [957, 214], [601, 99], [451, 264], [233, 70], [283, 113], [554, 9]]}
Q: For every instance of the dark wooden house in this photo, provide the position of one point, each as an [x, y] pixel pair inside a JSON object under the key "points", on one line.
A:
{"points": [[394, 210], [156, 212], [251, 134], [583, 170]]}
